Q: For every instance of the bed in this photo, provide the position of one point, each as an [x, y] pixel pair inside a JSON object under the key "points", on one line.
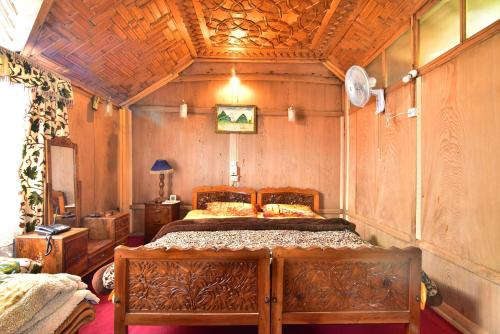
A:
{"points": [[311, 283]]}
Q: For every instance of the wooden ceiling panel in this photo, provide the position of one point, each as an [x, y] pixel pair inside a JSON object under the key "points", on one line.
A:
{"points": [[376, 22], [124, 48], [117, 48], [264, 23]]}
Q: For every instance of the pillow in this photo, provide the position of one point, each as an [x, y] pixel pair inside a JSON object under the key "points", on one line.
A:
{"points": [[287, 210], [231, 209], [10, 265]]}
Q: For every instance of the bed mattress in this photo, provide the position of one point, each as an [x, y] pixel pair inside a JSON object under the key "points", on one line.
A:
{"points": [[251, 233]]}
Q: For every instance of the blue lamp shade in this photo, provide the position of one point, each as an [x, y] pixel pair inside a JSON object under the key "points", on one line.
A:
{"points": [[161, 167]]}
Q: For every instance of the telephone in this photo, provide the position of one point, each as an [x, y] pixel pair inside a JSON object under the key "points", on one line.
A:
{"points": [[49, 231], [52, 229]]}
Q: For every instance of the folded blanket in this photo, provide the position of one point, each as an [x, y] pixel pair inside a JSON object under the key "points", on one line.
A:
{"points": [[26, 300]]}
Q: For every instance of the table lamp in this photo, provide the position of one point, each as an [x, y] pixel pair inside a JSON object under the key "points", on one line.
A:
{"points": [[161, 167]]}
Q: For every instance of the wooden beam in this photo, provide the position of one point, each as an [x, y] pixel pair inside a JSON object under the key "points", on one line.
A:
{"points": [[203, 24], [260, 77], [181, 27], [37, 27], [324, 23], [156, 85], [207, 59], [260, 111], [335, 69]]}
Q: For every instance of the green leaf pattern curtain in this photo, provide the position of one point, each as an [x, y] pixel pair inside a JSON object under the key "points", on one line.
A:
{"points": [[47, 117]]}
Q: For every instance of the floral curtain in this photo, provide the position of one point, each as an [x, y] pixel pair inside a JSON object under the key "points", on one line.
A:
{"points": [[47, 117]]}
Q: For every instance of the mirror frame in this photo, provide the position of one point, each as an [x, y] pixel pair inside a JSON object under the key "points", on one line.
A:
{"points": [[49, 211]]}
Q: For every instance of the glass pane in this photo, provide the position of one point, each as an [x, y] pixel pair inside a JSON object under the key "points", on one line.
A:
{"points": [[398, 59], [374, 69], [439, 30], [480, 14]]}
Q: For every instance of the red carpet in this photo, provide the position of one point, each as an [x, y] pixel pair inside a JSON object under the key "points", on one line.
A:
{"points": [[431, 323]]}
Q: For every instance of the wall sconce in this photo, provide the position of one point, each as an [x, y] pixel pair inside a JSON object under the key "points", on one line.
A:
{"points": [[96, 100], [234, 81], [183, 109], [291, 113], [411, 75], [109, 108]]}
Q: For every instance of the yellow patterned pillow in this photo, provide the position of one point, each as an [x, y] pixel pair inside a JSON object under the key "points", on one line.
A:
{"points": [[287, 210], [231, 209]]}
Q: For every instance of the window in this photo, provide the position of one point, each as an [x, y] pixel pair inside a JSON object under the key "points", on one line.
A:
{"points": [[439, 30], [398, 58], [374, 69], [13, 102], [480, 14]]}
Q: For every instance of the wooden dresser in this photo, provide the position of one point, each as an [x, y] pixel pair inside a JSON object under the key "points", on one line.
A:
{"points": [[115, 227], [69, 251], [157, 215]]}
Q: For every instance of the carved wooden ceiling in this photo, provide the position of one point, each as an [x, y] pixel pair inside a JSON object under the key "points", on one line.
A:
{"points": [[122, 48]]}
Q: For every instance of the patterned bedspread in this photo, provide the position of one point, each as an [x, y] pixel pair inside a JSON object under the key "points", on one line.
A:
{"points": [[339, 235]]}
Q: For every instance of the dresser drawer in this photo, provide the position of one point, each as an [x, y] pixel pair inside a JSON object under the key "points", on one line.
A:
{"points": [[158, 214], [122, 223], [101, 255], [75, 255], [121, 233]]}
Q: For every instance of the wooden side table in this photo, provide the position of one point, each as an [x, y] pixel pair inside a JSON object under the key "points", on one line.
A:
{"points": [[158, 215], [69, 251]]}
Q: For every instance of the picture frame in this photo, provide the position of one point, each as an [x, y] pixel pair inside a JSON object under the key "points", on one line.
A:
{"points": [[173, 197], [230, 118]]}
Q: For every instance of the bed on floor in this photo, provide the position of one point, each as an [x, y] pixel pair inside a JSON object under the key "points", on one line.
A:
{"points": [[216, 270]]}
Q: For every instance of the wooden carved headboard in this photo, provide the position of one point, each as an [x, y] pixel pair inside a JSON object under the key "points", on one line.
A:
{"points": [[204, 195], [289, 195]]}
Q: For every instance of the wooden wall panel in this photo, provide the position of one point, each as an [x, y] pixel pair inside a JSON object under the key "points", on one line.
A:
{"points": [[460, 182], [385, 166], [303, 154], [198, 155], [367, 155], [396, 167], [461, 206], [97, 154], [352, 166], [201, 157]]}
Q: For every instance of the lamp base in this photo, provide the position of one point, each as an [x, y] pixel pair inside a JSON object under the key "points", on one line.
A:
{"points": [[160, 199]]}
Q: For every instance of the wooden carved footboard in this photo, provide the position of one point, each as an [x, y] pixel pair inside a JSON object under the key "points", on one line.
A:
{"points": [[332, 286], [191, 287]]}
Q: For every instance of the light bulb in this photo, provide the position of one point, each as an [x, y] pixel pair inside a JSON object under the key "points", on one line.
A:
{"points": [[183, 109], [109, 109], [291, 114]]}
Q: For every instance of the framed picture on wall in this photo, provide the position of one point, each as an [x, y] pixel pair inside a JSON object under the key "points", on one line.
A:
{"points": [[235, 119]]}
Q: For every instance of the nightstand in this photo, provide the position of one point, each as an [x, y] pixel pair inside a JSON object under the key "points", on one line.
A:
{"points": [[69, 251], [158, 215]]}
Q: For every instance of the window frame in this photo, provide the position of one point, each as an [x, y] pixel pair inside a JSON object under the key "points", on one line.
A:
{"points": [[412, 24]]}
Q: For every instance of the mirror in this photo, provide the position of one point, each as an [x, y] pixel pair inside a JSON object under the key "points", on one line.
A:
{"points": [[62, 200]]}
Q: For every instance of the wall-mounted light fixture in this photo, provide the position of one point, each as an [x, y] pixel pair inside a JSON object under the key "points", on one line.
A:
{"points": [[234, 81], [96, 100], [410, 76], [183, 109], [291, 113], [109, 108]]}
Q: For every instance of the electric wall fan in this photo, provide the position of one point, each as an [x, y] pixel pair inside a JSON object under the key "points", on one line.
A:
{"points": [[359, 88]]}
